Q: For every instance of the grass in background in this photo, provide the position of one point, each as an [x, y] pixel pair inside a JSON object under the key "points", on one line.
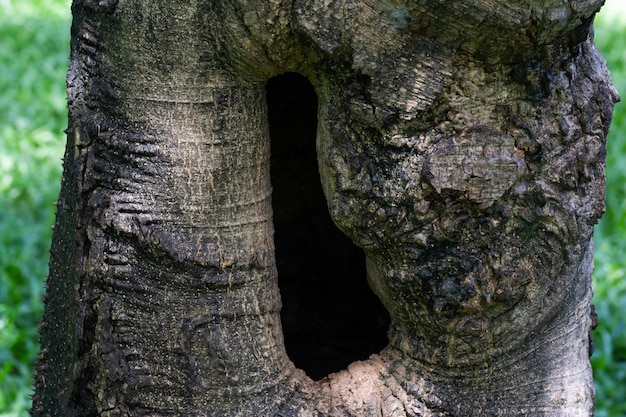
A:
{"points": [[34, 49], [609, 359]]}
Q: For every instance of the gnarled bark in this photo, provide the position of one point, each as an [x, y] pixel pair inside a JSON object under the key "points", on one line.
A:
{"points": [[460, 144]]}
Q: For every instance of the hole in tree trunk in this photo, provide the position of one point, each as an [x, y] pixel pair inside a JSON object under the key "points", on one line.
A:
{"points": [[330, 316]]}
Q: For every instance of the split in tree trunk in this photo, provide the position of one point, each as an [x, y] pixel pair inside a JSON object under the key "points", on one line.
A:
{"points": [[330, 316]]}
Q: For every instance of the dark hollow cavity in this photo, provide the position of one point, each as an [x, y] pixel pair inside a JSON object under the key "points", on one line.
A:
{"points": [[330, 316]]}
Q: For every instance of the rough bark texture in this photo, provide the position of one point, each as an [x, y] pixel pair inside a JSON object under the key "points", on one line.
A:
{"points": [[460, 144]]}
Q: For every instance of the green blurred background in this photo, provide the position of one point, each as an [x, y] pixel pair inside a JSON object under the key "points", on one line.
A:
{"points": [[34, 50]]}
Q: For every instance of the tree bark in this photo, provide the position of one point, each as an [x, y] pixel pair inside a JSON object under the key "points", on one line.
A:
{"points": [[460, 144]]}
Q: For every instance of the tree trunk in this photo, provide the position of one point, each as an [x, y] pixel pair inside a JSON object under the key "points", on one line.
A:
{"points": [[460, 145]]}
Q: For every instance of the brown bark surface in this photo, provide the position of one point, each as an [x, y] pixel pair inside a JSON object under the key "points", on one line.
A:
{"points": [[460, 145]]}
